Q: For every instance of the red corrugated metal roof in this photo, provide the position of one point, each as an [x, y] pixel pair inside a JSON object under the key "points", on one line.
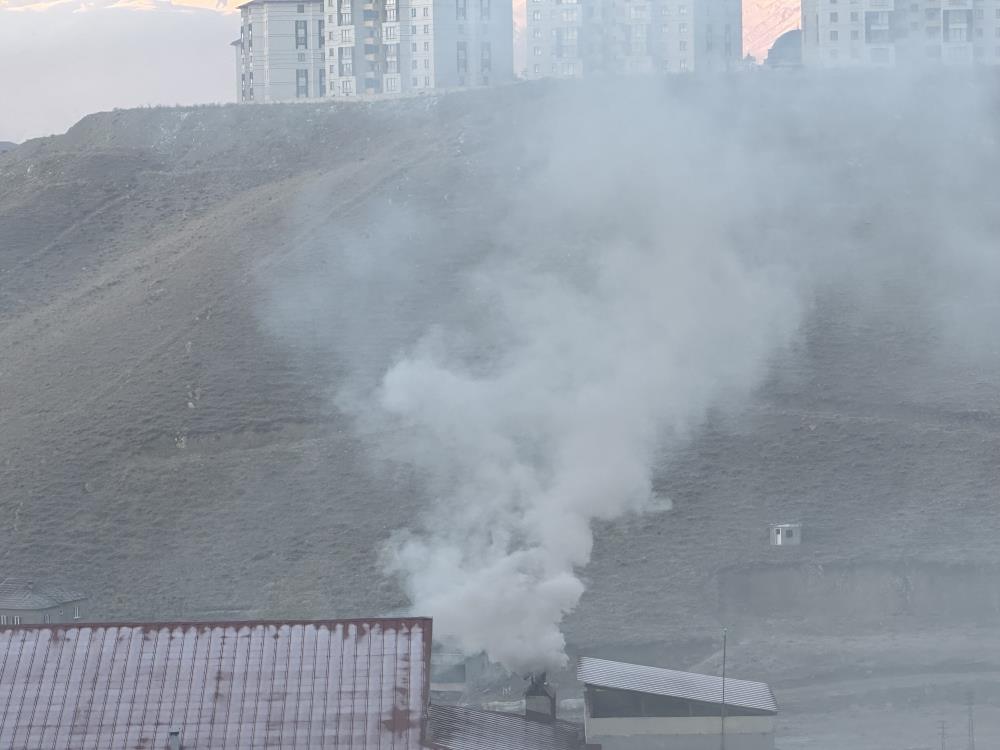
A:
{"points": [[342, 683]]}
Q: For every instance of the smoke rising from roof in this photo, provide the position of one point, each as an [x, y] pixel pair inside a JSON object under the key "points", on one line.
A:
{"points": [[638, 257]]}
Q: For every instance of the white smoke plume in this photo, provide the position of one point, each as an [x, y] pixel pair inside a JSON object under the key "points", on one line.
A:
{"points": [[601, 347], [565, 427], [534, 317]]}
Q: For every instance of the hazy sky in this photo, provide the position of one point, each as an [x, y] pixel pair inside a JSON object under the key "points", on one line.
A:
{"points": [[63, 59]]}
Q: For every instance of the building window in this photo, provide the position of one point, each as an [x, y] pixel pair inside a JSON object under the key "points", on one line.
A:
{"points": [[855, 35], [301, 84], [46, 618], [682, 46], [321, 86], [300, 8], [682, 9], [460, 9], [391, 33], [346, 60], [413, 12], [427, 63], [391, 14], [427, 29], [484, 9], [536, 33], [301, 35], [834, 17], [392, 84], [538, 69], [854, 16], [415, 82], [833, 35], [347, 36], [3, 619], [462, 57], [427, 12], [413, 32], [486, 57], [347, 87], [427, 46], [536, 15], [16, 620], [538, 51], [427, 80]]}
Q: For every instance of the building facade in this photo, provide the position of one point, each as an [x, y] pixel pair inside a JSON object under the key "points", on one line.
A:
{"points": [[572, 38], [635, 707], [292, 50], [281, 51], [24, 602], [885, 33], [409, 46]]}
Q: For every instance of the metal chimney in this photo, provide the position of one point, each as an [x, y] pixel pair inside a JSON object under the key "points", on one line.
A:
{"points": [[174, 739], [539, 700]]}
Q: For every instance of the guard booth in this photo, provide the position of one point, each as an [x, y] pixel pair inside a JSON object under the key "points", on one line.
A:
{"points": [[785, 534]]}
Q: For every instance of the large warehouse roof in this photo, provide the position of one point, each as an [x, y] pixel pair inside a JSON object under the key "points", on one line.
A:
{"points": [[689, 685], [343, 683]]}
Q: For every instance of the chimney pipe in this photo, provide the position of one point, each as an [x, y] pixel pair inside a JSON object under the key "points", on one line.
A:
{"points": [[539, 700], [174, 740]]}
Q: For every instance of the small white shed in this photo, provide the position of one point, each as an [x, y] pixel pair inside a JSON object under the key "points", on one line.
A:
{"points": [[784, 534]]}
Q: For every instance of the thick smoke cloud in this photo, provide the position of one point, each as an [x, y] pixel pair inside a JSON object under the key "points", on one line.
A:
{"points": [[609, 266]]}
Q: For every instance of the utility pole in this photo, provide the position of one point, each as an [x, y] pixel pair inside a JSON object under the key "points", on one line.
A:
{"points": [[722, 709], [972, 722], [942, 725]]}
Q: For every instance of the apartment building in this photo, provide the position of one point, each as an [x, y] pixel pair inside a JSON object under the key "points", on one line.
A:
{"points": [[903, 33], [406, 46], [572, 38], [281, 51]]}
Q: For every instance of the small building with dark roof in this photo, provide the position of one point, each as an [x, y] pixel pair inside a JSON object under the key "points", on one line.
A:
{"points": [[630, 706], [463, 728], [25, 602]]}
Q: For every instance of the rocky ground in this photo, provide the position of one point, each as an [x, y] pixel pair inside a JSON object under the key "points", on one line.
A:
{"points": [[171, 442]]}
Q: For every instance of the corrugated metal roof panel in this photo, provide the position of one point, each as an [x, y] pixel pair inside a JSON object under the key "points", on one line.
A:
{"points": [[689, 685], [23, 593], [461, 728], [343, 683]]}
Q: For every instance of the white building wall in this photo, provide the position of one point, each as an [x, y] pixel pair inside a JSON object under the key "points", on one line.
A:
{"points": [[632, 36], [903, 33], [681, 733], [410, 46], [283, 51]]}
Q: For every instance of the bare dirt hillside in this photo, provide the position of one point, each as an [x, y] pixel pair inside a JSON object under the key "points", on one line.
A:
{"points": [[170, 437]]}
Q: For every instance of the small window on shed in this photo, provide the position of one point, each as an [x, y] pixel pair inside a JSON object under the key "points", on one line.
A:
{"points": [[789, 533], [76, 612], [17, 619], [45, 618]]}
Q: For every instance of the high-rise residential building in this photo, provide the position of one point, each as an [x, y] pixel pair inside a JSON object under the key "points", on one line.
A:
{"points": [[572, 38], [345, 48], [902, 33], [281, 52], [399, 46]]}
